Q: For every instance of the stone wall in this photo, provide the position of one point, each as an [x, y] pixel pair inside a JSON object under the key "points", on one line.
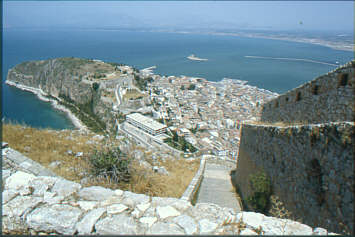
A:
{"points": [[311, 168], [329, 97], [52, 205]]}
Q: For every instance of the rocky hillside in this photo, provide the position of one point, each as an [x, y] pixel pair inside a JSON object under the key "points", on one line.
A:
{"points": [[80, 83]]}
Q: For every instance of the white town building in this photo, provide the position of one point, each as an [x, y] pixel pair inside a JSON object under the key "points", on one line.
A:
{"points": [[147, 124]]}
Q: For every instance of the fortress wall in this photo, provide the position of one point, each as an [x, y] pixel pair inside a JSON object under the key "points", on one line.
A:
{"points": [[329, 97], [311, 168]]}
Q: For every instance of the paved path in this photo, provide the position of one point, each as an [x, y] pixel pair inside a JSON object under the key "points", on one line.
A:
{"points": [[216, 186]]}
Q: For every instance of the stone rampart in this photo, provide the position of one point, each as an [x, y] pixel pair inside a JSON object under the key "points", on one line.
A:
{"points": [[311, 168], [327, 98]]}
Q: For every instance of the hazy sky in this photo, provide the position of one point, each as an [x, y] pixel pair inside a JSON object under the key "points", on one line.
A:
{"points": [[320, 15]]}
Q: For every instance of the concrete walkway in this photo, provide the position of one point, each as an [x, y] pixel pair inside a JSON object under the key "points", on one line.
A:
{"points": [[216, 186]]}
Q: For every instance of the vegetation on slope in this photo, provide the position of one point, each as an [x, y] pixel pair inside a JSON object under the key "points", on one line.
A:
{"points": [[47, 146], [141, 82], [85, 113], [180, 143]]}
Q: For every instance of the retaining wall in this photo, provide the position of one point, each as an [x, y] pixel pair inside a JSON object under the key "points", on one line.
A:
{"points": [[311, 168]]}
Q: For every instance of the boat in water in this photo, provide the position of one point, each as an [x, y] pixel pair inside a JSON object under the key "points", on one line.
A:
{"points": [[193, 57]]}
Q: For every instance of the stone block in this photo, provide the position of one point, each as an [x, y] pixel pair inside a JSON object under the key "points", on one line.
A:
{"points": [[95, 193], [19, 180], [117, 225], [65, 188], [187, 223], [86, 225], [166, 211], [61, 218], [162, 228], [207, 226]]}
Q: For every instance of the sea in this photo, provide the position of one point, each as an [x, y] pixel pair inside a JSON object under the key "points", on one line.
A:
{"points": [[275, 65]]}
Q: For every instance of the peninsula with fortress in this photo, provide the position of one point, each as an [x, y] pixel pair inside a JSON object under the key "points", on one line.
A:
{"points": [[289, 156]]}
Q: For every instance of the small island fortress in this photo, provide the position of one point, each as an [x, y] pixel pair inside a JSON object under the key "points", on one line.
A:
{"points": [[193, 57], [304, 143]]}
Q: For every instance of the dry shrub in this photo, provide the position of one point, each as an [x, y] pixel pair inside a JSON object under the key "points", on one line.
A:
{"points": [[278, 209]]}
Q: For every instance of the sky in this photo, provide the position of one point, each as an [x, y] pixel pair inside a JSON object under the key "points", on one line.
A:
{"points": [[273, 15]]}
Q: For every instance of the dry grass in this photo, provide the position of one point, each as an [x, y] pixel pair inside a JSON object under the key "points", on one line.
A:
{"points": [[46, 146], [180, 175]]}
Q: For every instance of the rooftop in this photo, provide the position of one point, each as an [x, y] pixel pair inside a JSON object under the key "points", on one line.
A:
{"points": [[149, 122]]}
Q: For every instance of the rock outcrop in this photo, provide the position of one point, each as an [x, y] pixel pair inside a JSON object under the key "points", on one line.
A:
{"points": [[44, 204], [68, 79]]}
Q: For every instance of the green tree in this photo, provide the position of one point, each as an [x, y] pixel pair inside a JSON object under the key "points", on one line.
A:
{"points": [[175, 136], [192, 87], [95, 86]]}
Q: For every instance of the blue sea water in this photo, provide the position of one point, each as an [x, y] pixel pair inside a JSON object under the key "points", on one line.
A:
{"points": [[167, 51]]}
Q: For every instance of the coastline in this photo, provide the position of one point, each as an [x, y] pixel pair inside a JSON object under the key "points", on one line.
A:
{"points": [[317, 41], [41, 95], [321, 42]]}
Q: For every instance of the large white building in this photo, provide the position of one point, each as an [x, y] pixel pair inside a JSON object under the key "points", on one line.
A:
{"points": [[147, 124]]}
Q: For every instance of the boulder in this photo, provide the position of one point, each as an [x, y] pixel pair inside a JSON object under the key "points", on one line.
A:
{"points": [[148, 220], [5, 175], [8, 194], [181, 205], [251, 219], [161, 228], [87, 205], [272, 225], [86, 225], [296, 228], [95, 193], [117, 224], [187, 223], [19, 180], [207, 226], [42, 184], [320, 231], [248, 232], [65, 188], [61, 218], [20, 206], [143, 207], [116, 208], [166, 211], [136, 197]]}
